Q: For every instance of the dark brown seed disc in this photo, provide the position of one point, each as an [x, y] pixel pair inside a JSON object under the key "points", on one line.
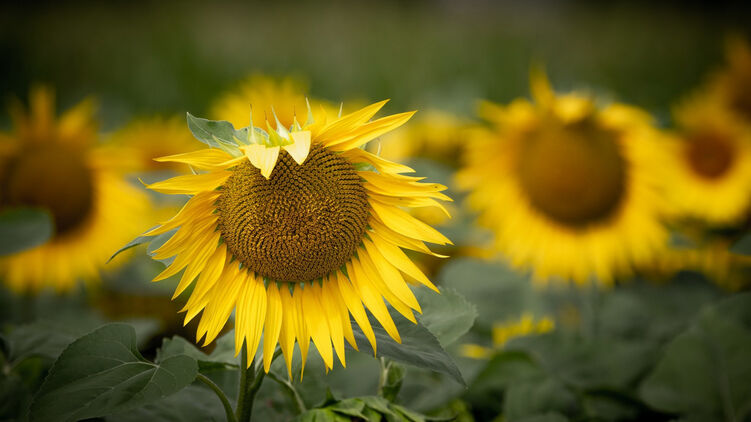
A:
{"points": [[709, 155], [572, 173], [302, 223], [53, 177]]}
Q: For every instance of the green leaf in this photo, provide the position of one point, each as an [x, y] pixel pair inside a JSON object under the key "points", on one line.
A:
{"points": [[179, 346], [46, 338], [544, 417], [535, 396], [705, 371], [217, 133], [743, 245], [349, 407], [502, 371], [393, 382], [447, 315], [498, 292], [103, 373], [24, 228], [588, 363], [193, 403], [419, 347], [322, 415], [140, 240]]}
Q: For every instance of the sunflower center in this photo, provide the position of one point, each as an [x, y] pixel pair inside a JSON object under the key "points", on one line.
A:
{"points": [[302, 223], [55, 178], [574, 174], [740, 99], [710, 155]]}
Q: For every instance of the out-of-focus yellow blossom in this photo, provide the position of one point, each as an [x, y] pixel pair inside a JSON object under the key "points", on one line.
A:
{"points": [[731, 87], [505, 331], [435, 135], [56, 164], [150, 138], [284, 98], [570, 191]]}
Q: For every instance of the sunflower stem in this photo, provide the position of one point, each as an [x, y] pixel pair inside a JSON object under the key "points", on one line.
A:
{"points": [[251, 379], [225, 402], [291, 392], [383, 376]]}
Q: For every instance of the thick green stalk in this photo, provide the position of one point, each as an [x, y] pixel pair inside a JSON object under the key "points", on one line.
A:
{"points": [[225, 402]]}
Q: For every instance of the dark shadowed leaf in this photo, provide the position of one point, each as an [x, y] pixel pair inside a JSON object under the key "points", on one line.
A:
{"points": [[704, 372], [216, 133], [447, 315], [24, 228], [103, 373], [419, 347]]}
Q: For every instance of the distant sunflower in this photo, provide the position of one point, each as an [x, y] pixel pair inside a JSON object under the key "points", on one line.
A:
{"points": [[436, 135], [731, 87], [295, 229], [708, 169], [567, 189], [287, 96], [56, 165], [149, 138]]}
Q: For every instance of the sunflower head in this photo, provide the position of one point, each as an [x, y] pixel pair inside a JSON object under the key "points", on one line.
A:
{"points": [[295, 228], [55, 164], [562, 183], [708, 166], [150, 138], [732, 85]]}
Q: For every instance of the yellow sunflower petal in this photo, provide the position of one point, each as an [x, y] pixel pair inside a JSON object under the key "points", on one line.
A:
{"points": [[300, 148], [191, 184], [262, 157], [273, 325]]}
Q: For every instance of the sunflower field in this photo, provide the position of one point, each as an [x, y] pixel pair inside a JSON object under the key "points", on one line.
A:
{"points": [[394, 211]]}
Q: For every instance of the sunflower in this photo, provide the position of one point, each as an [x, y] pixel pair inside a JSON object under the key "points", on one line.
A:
{"points": [[708, 165], [279, 97], [503, 332], [436, 135], [153, 137], [731, 87], [295, 229], [568, 189], [56, 165]]}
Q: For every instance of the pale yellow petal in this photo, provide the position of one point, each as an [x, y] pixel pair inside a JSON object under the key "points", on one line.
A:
{"points": [[191, 184], [401, 222], [301, 147], [273, 325], [262, 157]]}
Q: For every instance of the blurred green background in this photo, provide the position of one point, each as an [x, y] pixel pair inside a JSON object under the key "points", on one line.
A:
{"points": [[146, 57]]}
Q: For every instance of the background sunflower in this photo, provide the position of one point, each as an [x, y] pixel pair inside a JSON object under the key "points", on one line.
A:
{"points": [[569, 190], [56, 165]]}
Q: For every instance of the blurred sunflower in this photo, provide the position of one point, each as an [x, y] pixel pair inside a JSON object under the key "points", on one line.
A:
{"points": [[568, 189], [708, 166], [436, 135], [731, 87], [154, 137], [286, 95], [57, 165], [503, 332], [295, 230]]}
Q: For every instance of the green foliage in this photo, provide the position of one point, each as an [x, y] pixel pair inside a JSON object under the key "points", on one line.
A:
{"points": [[705, 371], [102, 373], [370, 409], [24, 228], [418, 348], [447, 316], [217, 133]]}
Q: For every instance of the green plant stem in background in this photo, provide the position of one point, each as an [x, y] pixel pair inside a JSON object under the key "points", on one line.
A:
{"points": [[291, 392], [250, 381], [225, 402]]}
